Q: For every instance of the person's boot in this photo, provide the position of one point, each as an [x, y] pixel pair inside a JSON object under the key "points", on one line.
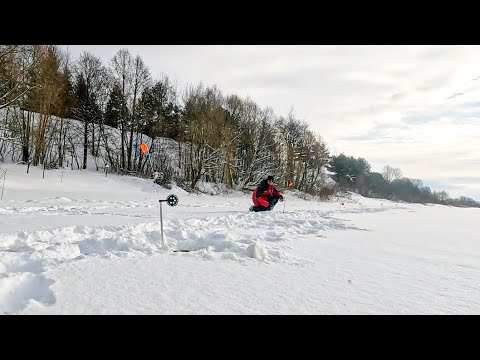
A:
{"points": [[262, 208], [273, 202]]}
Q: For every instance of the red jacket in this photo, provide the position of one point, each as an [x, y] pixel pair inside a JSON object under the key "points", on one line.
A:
{"points": [[262, 192]]}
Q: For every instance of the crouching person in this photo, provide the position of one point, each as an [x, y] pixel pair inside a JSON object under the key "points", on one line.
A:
{"points": [[265, 196]]}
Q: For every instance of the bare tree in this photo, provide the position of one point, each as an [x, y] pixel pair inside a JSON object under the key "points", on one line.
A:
{"points": [[391, 174], [122, 70], [140, 79], [90, 82], [442, 195], [207, 131], [15, 62], [47, 99], [258, 150], [19, 75], [158, 115], [291, 131]]}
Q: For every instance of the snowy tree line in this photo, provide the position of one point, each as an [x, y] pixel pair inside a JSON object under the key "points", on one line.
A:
{"points": [[55, 112], [355, 175]]}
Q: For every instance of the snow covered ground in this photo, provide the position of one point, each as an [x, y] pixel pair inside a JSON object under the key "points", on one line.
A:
{"points": [[83, 243]]}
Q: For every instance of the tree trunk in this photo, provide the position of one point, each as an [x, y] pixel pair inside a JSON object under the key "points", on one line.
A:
{"points": [[122, 155], [25, 153], [85, 145], [60, 153], [93, 137]]}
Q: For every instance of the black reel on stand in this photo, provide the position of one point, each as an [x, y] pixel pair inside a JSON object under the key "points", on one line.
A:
{"points": [[172, 200]]}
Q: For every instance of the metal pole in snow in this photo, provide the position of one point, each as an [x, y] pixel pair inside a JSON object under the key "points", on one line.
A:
{"points": [[4, 177], [171, 200], [161, 225]]}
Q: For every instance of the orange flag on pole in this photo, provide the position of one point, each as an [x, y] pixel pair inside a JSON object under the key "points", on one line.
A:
{"points": [[144, 147]]}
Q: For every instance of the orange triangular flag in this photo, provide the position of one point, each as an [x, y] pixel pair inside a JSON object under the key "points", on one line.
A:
{"points": [[143, 147]]}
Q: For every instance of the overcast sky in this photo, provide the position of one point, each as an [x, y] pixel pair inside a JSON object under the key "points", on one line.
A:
{"points": [[416, 108]]}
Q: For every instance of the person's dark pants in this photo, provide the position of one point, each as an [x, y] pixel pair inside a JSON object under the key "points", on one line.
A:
{"points": [[272, 201]]}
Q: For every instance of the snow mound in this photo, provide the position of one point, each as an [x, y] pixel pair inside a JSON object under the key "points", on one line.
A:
{"points": [[257, 251]]}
